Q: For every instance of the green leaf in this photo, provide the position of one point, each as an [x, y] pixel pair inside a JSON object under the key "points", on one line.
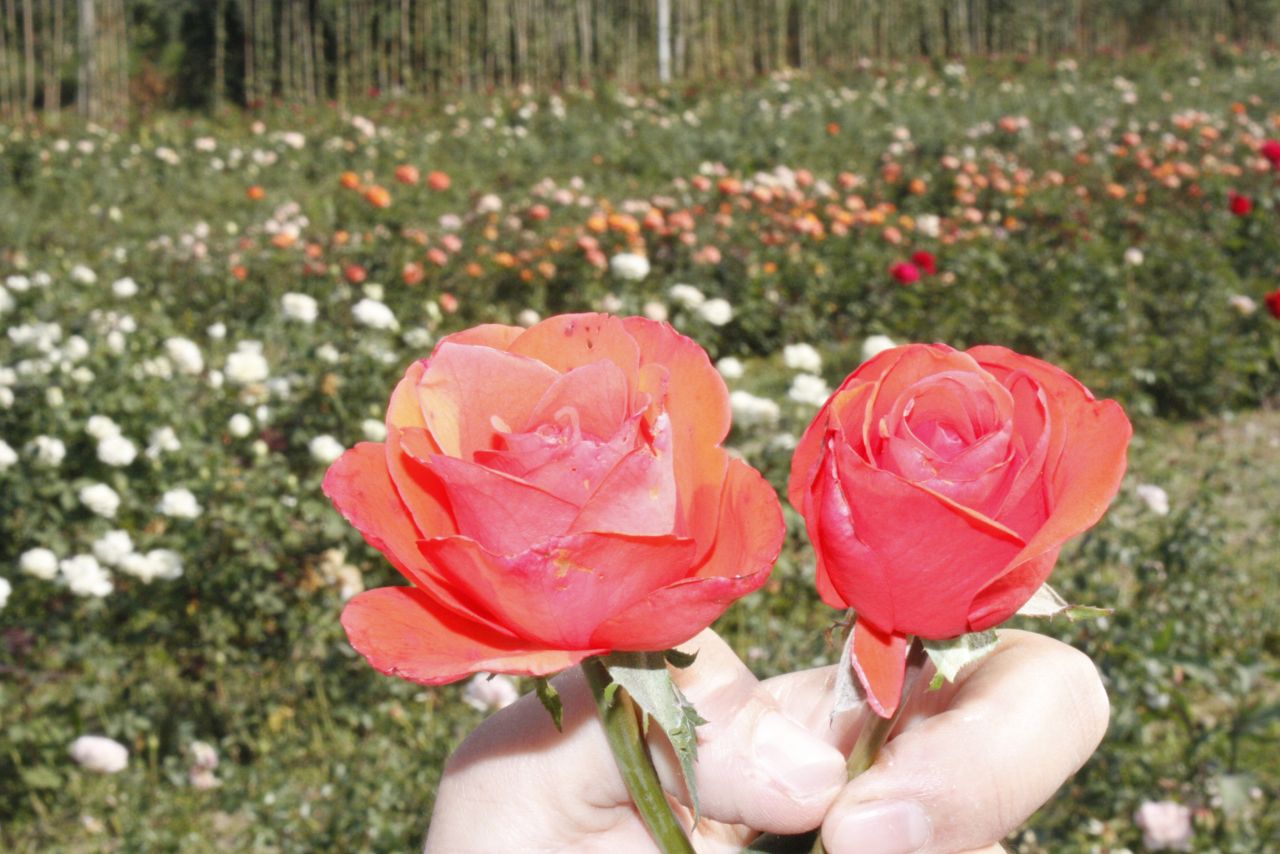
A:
{"points": [[550, 700], [951, 656], [645, 677], [1047, 603]]}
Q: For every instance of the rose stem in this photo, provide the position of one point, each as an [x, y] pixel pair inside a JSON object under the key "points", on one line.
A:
{"points": [[622, 728], [876, 732]]}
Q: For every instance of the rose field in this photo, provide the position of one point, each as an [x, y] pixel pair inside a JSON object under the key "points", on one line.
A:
{"points": [[200, 314]]}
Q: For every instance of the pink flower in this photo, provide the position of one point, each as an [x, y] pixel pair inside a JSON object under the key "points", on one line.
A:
{"points": [[1165, 825]]}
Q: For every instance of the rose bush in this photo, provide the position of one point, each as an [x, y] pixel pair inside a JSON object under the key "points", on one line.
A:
{"points": [[552, 493], [938, 487]]}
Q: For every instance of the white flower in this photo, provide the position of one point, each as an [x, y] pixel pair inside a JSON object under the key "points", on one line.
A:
{"points": [[166, 563], [611, 303], [1133, 257], [48, 450], [185, 354], [6, 397], [116, 451], [5, 589], [163, 440], [100, 499], [8, 456], [802, 357], [1242, 304], [216, 331], [245, 367], [875, 345], [6, 301], [329, 353], [83, 275], [85, 576], [124, 288], [750, 410], [655, 310], [178, 503], [1156, 499], [99, 753], [488, 693], [374, 314], [240, 425], [204, 759], [686, 296], [929, 225], [716, 311], [325, 449], [100, 427], [17, 283], [629, 266], [730, 367], [300, 307], [489, 203], [1165, 825], [528, 317], [113, 547], [809, 389], [39, 562], [373, 429], [53, 397]]}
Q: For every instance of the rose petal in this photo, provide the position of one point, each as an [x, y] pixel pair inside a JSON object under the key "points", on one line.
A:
{"points": [[361, 489], [597, 395], [402, 632], [746, 545], [880, 662], [805, 460], [502, 513], [570, 341], [469, 393], [1081, 485], [420, 488], [698, 402], [932, 553], [639, 495], [560, 591]]}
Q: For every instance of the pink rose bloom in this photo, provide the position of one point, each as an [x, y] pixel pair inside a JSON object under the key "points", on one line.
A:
{"points": [[1165, 825]]}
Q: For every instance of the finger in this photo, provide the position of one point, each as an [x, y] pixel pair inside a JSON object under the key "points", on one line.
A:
{"points": [[977, 758], [756, 766]]}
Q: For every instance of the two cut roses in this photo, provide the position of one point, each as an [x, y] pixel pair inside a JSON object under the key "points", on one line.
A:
{"points": [[561, 492]]}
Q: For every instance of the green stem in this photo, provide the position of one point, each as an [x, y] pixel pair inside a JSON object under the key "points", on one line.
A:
{"points": [[622, 727], [876, 731]]}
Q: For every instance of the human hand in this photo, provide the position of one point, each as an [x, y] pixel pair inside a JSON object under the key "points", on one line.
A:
{"points": [[967, 765]]}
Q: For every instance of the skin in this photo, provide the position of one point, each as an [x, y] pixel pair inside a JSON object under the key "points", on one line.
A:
{"points": [[975, 758]]}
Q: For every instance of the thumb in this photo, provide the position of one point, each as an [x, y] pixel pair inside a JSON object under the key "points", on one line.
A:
{"points": [[756, 766]]}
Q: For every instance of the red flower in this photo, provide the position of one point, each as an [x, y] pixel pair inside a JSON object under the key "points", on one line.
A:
{"points": [[904, 272], [1240, 205], [926, 261], [938, 486], [552, 493], [1273, 303], [1271, 150]]}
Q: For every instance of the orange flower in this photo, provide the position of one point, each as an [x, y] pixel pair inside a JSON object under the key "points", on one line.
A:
{"points": [[256, 193], [407, 174], [438, 181], [349, 180], [378, 196]]}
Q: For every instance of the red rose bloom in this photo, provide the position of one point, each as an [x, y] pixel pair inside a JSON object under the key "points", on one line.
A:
{"points": [[1271, 150], [904, 272], [1240, 205], [925, 261], [1273, 303], [938, 487], [552, 494]]}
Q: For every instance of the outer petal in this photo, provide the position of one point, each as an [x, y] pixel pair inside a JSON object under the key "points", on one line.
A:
{"points": [[880, 662], [805, 459], [403, 632], [560, 591], [698, 402], [570, 341], [747, 542], [1082, 484], [496, 335], [361, 489], [934, 553]]}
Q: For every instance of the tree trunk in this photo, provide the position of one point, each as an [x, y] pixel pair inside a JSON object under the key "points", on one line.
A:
{"points": [[219, 53], [86, 89]]}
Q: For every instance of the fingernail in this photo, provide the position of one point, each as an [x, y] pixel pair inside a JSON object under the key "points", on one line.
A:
{"points": [[795, 761], [883, 827]]}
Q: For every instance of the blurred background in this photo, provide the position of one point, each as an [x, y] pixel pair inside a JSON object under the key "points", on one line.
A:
{"points": [[226, 227]]}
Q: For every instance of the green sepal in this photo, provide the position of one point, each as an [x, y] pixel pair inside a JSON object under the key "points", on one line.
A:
{"points": [[550, 698], [1046, 602], [949, 657], [645, 677]]}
